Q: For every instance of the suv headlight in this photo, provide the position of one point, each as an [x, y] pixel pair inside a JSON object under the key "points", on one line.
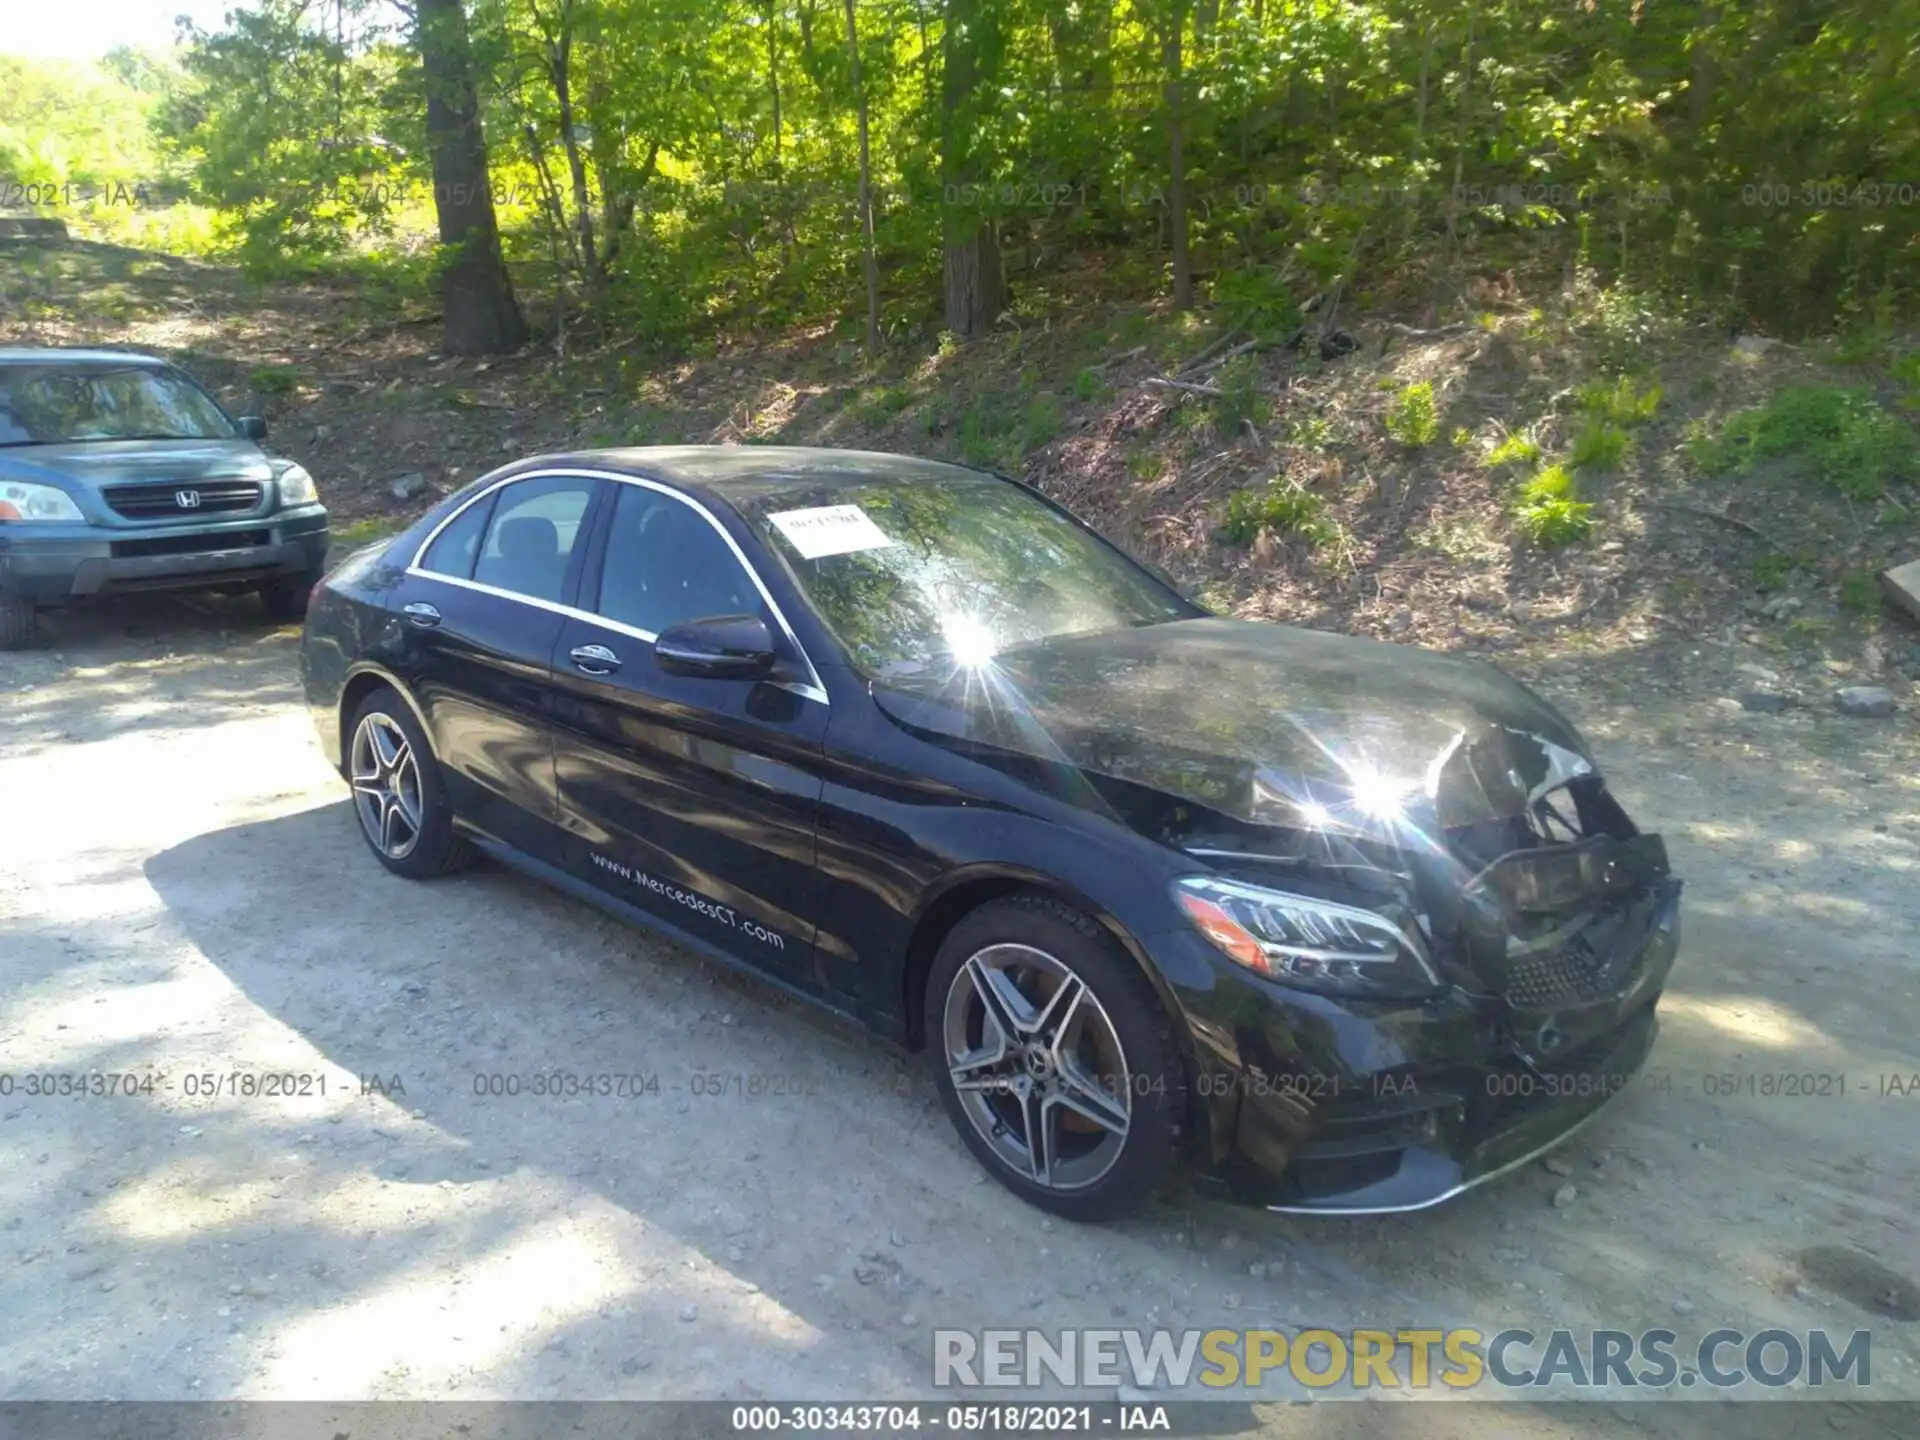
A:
{"points": [[21, 501], [296, 485], [1305, 941]]}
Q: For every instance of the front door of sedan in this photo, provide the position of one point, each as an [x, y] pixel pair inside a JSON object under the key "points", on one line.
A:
{"points": [[694, 797], [480, 612]]}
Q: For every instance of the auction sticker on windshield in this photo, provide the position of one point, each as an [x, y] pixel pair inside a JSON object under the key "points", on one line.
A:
{"points": [[830, 530]]}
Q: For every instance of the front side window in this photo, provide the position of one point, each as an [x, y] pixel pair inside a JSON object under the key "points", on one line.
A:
{"points": [[531, 535], [912, 572], [74, 404], [666, 564]]}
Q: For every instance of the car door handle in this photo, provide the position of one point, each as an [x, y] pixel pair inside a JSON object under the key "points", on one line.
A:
{"points": [[422, 614], [594, 659]]}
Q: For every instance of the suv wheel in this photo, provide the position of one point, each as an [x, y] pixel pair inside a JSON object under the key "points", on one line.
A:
{"points": [[287, 599], [18, 626], [1055, 1059], [398, 794]]}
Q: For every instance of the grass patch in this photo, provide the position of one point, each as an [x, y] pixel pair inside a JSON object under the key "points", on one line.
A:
{"points": [[1845, 438], [880, 404], [1598, 445], [1550, 510], [365, 532], [1860, 592], [1516, 449], [274, 379], [1619, 402], [1413, 417], [1283, 510]]}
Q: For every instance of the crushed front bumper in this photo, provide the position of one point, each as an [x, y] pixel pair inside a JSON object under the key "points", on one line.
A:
{"points": [[1312, 1104], [54, 564]]}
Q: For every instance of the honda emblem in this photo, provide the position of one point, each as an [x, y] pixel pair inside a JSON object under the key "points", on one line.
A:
{"points": [[187, 499]]}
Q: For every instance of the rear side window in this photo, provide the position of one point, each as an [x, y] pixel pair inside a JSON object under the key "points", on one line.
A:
{"points": [[454, 548], [532, 534]]}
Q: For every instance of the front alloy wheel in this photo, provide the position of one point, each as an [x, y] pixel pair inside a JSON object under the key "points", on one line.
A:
{"points": [[1037, 1065], [1055, 1058]]}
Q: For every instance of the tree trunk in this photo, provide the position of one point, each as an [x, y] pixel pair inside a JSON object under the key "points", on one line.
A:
{"points": [[869, 260], [480, 314], [975, 289], [1177, 162]]}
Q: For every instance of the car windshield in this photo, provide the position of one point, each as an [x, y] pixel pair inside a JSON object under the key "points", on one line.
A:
{"points": [[64, 404], [915, 572]]}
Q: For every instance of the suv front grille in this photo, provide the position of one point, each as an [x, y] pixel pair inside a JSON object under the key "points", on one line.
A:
{"points": [[190, 544], [163, 502]]}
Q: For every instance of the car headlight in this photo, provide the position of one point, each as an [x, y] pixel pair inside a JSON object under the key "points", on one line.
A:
{"points": [[296, 485], [21, 501], [1305, 941]]}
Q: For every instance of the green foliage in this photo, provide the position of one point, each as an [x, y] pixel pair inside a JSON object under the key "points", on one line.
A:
{"points": [[1281, 509], [881, 403], [1843, 438], [1598, 445], [274, 379], [1516, 449], [696, 173], [1413, 417], [1241, 400], [1550, 511], [1619, 401], [1255, 298]]}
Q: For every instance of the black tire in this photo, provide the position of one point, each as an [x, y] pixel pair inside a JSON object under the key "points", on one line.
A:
{"points": [[1004, 936], [434, 846], [287, 599], [19, 627]]}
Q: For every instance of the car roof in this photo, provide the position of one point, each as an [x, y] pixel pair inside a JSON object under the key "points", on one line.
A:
{"points": [[53, 355], [743, 474]]}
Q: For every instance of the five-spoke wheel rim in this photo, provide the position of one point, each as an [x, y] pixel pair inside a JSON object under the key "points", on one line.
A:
{"points": [[386, 786], [1038, 1066]]}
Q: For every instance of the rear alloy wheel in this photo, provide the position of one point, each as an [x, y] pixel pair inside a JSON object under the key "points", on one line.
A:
{"points": [[398, 794], [18, 627], [1056, 1061]]}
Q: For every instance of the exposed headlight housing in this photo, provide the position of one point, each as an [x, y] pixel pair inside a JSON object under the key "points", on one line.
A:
{"points": [[21, 501], [296, 485], [1305, 941]]}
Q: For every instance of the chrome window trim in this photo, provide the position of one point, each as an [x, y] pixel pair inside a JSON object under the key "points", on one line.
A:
{"points": [[811, 689]]}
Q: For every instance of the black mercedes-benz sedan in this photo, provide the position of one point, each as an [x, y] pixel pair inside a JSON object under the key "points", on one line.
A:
{"points": [[1345, 926]]}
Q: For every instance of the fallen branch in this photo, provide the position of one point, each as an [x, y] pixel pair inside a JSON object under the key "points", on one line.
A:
{"points": [[1160, 382], [1201, 358], [1734, 520], [1133, 354], [1439, 332]]}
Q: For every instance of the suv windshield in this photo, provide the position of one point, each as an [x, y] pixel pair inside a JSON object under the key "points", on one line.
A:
{"points": [[56, 404], [913, 572]]}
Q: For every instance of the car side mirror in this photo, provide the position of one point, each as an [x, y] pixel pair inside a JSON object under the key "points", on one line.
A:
{"points": [[253, 427], [721, 647]]}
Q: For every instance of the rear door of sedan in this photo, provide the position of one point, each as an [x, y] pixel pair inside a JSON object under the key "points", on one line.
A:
{"points": [[481, 606], [695, 798]]}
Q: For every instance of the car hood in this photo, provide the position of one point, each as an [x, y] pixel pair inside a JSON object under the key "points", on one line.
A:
{"points": [[1265, 724], [94, 465]]}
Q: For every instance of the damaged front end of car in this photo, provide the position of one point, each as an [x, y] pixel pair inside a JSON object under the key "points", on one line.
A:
{"points": [[1501, 992]]}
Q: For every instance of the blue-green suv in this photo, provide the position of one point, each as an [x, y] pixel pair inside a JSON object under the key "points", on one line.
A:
{"points": [[119, 473]]}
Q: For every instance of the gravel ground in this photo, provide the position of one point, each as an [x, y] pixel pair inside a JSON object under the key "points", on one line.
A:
{"points": [[182, 890]]}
